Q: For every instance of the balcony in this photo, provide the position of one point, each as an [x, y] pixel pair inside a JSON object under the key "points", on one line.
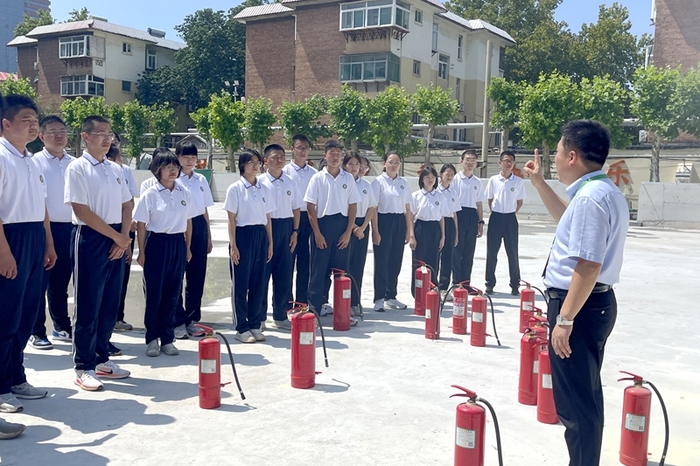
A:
{"points": [[374, 20]]}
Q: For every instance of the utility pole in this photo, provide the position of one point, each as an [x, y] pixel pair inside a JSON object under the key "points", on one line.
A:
{"points": [[485, 130]]}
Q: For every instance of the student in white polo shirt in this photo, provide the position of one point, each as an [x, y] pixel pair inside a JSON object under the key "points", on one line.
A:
{"points": [[505, 193], [164, 231], [451, 204], [248, 204], [101, 202], [26, 246], [331, 200], [54, 161]]}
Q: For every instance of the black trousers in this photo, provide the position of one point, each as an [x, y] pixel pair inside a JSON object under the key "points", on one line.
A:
{"points": [[249, 277], [427, 249], [445, 266], [125, 281], [162, 283], [97, 284], [281, 269], [55, 283], [463, 257], [502, 227], [388, 255], [195, 273], [323, 260], [302, 257], [358, 259], [578, 392], [20, 299]]}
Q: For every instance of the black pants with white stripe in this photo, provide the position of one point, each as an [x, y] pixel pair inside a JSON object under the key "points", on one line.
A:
{"points": [[162, 283], [249, 277], [502, 227], [323, 260], [446, 254], [281, 269], [195, 273], [358, 258], [55, 282], [20, 299], [427, 250], [463, 257], [302, 256], [97, 284], [388, 255]]}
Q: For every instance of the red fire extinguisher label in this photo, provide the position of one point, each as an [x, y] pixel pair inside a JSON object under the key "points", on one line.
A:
{"points": [[419, 283], [535, 367], [306, 338], [346, 294], [465, 438], [477, 316], [634, 422], [208, 366], [427, 313], [458, 309], [547, 381], [527, 306]]}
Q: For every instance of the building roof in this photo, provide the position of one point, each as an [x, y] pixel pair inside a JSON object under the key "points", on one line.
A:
{"points": [[476, 24], [99, 25], [21, 40], [7, 76], [263, 10]]}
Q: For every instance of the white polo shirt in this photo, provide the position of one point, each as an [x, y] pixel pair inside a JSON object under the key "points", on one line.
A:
{"points": [[98, 185], [200, 192], [451, 204], [250, 203], [392, 195], [147, 183], [367, 199], [285, 192], [332, 195], [505, 192], [165, 211], [469, 190], [593, 227], [54, 170], [22, 188], [130, 181], [428, 206], [300, 176]]}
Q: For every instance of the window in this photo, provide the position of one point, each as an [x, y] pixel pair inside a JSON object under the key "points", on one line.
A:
{"points": [[443, 66], [460, 41], [418, 16], [459, 134], [415, 118], [435, 37], [82, 85], [374, 13], [369, 67], [151, 60], [416, 67], [458, 84], [126, 86], [126, 48], [76, 46]]}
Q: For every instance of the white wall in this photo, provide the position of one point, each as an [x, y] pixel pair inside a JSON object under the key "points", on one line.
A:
{"points": [[669, 204]]}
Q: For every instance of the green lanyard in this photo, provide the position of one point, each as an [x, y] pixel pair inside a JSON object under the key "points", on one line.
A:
{"points": [[597, 177]]}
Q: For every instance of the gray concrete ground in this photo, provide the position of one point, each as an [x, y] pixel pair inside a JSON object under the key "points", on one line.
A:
{"points": [[384, 398]]}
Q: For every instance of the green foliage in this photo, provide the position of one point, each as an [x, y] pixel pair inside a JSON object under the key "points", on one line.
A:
{"points": [[389, 115], [160, 86], [74, 111], [226, 119], [116, 116], [435, 106], [507, 95], [19, 87], [687, 102], [201, 122], [304, 118], [258, 120], [43, 18], [349, 116], [136, 118], [161, 121], [78, 15], [604, 99]]}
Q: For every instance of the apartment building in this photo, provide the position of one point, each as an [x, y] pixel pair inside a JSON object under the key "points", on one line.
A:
{"points": [[90, 58], [298, 48]]}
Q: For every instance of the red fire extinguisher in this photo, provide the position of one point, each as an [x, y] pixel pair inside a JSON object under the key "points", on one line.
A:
{"points": [[531, 345], [422, 282], [478, 329], [539, 325], [546, 410], [459, 309], [304, 346], [470, 424], [432, 313], [527, 305], [341, 300], [636, 413], [210, 369]]}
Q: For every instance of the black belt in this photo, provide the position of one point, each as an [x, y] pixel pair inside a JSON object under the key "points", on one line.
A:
{"points": [[558, 293]]}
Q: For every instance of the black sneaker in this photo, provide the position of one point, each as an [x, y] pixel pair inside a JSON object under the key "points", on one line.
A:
{"points": [[489, 290], [515, 291], [113, 350]]}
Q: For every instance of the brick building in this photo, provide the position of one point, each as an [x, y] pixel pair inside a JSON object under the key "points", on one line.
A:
{"points": [[676, 33], [298, 48]]}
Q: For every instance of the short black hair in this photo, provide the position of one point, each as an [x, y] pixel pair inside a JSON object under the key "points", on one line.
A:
{"points": [[390, 153], [468, 152], [245, 157], [163, 158], [113, 151], [46, 121], [448, 166], [590, 138], [352, 155], [425, 172], [185, 148], [302, 138], [89, 122], [12, 104], [270, 147], [332, 144], [506, 152]]}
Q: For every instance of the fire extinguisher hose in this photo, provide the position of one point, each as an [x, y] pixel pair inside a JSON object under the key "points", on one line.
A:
{"points": [[544, 296], [498, 431], [357, 290], [323, 338], [233, 365], [666, 426], [493, 319]]}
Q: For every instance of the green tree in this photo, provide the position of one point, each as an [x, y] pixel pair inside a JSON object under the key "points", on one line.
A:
{"points": [[116, 117], [136, 118], [389, 115], [436, 107], [164, 84], [78, 15], [74, 111], [507, 95], [349, 116], [604, 99], [161, 121], [202, 123], [686, 101], [258, 121], [226, 119], [43, 18], [304, 118], [19, 87]]}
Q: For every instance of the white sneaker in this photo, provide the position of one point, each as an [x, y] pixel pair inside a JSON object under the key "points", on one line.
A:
{"points": [[170, 349], [263, 327], [353, 322], [326, 309], [111, 370], [181, 332], [87, 380], [153, 348], [394, 304], [10, 430], [10, 404], [282, 324], [27, 391], [379, 305], [257, 334], [245, 337]]}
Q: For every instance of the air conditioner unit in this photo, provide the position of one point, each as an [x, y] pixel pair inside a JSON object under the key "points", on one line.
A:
{"points": [[461, 107]]}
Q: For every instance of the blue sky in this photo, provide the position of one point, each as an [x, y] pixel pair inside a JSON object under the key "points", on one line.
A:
{"points": [[165, 14]]}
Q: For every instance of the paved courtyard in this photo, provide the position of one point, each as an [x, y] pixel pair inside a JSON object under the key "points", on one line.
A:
{"points": [[384, 400]]}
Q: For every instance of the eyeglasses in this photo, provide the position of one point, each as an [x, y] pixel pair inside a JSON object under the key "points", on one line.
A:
{"points": [[102, 135], [352, 164], [171, 168], [508, 161], [54, 134], [364, 168], [253, 163]]}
